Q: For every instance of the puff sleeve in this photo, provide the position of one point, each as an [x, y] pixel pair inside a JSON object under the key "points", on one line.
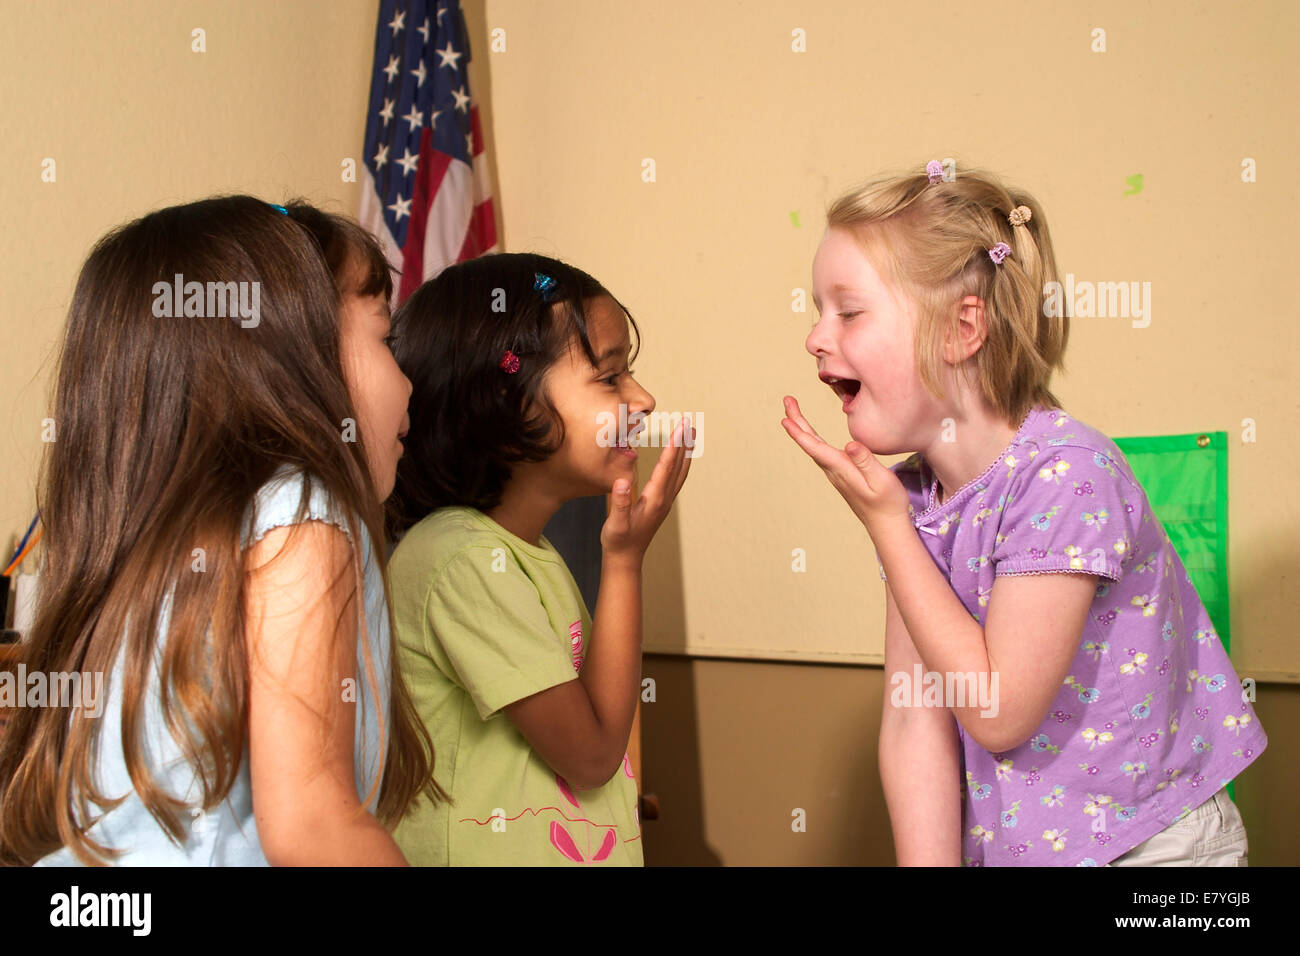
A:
{"points": [[1071, 508]]}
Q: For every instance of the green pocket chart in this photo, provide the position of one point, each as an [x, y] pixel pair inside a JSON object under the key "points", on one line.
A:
{"points": [[1186, 481]]}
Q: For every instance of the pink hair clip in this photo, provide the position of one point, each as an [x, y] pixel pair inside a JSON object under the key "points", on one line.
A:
{"points": [[999, 252], [934, 170], [509, 362]]}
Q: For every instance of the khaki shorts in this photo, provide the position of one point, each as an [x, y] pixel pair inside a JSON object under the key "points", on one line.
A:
{"points": [[1211, 835]]}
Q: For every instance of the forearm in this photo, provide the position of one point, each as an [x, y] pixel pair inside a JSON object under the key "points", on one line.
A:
{"points": [[920, 773], [353, 839], [945, 635], [611, 673]]}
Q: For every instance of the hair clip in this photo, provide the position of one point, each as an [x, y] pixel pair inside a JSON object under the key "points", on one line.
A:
{"points": [[1020, 215], [544, 284], [509, 363], [283, 211], [999, 252], [934, 169]]}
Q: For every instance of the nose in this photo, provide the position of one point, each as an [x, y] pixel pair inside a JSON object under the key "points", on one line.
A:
{"points": [[818, 342], [647, 403], [641, 400]]}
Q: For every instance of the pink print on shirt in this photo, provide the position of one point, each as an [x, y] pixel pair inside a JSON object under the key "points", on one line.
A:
{"points": [[575, 640], [563, 840], [560, 836]]}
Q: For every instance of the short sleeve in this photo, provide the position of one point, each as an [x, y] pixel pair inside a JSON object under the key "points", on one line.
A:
{"points": [[1070, 508], [489, 620], [278, 502]]}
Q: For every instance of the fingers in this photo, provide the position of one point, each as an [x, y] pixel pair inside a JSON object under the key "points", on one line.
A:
{"points": [[812, 444], [685, 466], [794, 413], [666, 470], [618, 506]]}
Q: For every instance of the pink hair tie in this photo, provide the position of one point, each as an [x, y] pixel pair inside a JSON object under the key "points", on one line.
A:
{"points": [[934, 170], [509, 362], [999, 252]]}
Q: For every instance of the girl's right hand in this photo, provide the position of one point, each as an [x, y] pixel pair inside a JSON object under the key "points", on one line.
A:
{"points": [[632, 521]]}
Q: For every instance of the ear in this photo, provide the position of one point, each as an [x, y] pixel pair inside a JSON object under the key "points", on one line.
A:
{"points": [[968, 333]]}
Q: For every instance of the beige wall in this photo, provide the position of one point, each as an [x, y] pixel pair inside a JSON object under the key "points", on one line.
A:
{"points": [[134, 120], [750, 141]]}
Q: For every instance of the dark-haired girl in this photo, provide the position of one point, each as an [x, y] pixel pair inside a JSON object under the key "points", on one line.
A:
{"points": [[520, 369]]}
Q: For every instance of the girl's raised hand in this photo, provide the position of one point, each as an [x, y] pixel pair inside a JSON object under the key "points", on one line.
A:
{"points": [[632, 521], [872, 490]]}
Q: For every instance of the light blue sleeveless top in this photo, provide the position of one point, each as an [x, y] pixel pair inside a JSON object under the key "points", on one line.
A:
{"points": [[227, 834]]}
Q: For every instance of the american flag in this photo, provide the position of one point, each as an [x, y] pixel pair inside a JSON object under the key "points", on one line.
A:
{"points": [[426, 195]]}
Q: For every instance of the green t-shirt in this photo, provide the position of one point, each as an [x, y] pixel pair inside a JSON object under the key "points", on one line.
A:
{"points": [[483, 619]]}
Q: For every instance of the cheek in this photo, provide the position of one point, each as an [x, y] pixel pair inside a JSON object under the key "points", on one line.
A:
{"points": [[354, 369], [373, 399], [583, 426], [399, 387]]}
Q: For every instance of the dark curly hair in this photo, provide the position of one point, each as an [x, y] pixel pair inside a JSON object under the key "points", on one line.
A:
{"points": [[469, 418]]}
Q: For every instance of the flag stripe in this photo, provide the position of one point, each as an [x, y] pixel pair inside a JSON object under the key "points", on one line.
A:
{"points": [[427, 191]]}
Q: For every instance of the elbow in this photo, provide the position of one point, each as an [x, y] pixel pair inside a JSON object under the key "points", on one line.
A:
{"points": [[583, 768], [999, 736], [302, 840], [597, 772], [601, 774], [283, 845]]}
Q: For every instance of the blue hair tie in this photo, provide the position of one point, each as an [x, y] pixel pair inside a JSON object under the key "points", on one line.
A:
{"points": [[281, 208], [544, 284]]}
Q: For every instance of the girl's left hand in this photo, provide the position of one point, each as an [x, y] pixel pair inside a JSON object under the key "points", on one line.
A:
{"points": [[872, 490]]}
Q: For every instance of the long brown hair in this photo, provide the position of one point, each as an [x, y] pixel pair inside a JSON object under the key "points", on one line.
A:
{"points": [[166, 429]]}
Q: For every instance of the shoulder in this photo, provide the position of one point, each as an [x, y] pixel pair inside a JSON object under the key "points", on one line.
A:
{"points": [[291, 497], [1062, 451], [448, 540]]}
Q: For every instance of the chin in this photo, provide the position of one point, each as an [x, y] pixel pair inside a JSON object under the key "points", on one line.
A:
{"points": [[878, 445], [618, 469]]}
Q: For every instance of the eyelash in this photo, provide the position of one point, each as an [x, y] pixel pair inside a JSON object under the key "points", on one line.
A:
{"points": [[849, 315], [610, 379]]}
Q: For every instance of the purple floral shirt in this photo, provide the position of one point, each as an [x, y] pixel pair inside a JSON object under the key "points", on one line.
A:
{"points": [[1150, 722]]}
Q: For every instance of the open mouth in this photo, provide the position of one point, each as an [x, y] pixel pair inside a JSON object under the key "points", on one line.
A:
{"points": [[632, 436], [845, 388]]}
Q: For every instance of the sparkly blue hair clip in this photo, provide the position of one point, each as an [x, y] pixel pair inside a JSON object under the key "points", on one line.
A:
{"points": [[283, 211], [544, 284]]}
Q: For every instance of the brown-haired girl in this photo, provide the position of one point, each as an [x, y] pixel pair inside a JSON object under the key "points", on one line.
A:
{"points": [[214, 538]]}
